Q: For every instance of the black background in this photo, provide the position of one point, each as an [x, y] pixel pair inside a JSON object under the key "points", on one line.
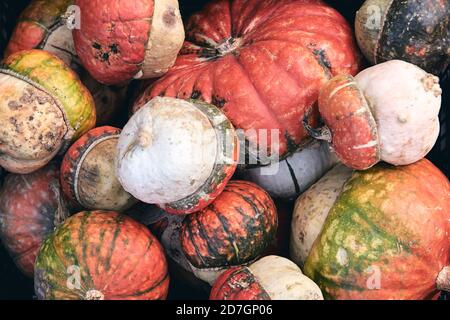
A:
{"points": [[14, 285]]}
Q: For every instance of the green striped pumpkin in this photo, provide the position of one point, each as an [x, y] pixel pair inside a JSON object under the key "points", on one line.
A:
{"points": [[101, 255]]}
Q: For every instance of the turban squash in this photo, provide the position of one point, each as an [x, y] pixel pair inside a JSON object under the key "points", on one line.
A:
{"points": [[119, 40], [386, 235], [388, 112], [43, 108], [239, 226], [87, 172], [270, 278], [45, 25], [263, 63], [177, 154], [425, 42]]}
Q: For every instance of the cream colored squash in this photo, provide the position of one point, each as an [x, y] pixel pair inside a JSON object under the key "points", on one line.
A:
{"points": [[405, 102], [311, 210], [283, 280]]}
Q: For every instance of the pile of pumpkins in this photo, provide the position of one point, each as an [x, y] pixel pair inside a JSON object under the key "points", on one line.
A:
{"points": [[247, 102]]}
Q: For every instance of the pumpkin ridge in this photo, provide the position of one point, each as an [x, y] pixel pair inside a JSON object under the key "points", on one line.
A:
{"points": [[258, 93], [213, 250], [258, 214], [188, 227], [264, 206], [226, 230], [294, 179], [153, 287], [232, 241], [44, 275], [260, 34], [56, 256], [82, 238], [117, 231], [277, 6], [119, 266]]}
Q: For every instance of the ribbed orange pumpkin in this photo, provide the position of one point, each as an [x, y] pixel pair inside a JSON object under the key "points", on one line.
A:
{"points": [[101, 255], [234, 229], [263, 62]]}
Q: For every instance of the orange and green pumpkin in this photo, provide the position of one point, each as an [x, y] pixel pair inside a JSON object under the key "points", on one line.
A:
{"points": [[386, 236], [235, 229], [43, 108], [87, 172], [101, 255], [31, 206]]}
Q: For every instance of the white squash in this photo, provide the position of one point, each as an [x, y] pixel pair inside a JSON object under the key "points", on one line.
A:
{"points": [[405, 102], [311, 210], [276, 278], [177, 154], [290, 177], [388, 112]]}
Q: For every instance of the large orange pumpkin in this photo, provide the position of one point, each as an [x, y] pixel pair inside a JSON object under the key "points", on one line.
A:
{"points": [[101, 255], [386, 236], [263, 62]]}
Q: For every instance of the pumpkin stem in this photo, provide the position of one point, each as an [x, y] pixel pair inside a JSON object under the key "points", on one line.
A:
{"points": [[443, 279], [94, 295], [322, 133]]}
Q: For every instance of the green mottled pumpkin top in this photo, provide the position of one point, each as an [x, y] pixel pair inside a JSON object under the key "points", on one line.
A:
{"points": [[45, 12], [57, 79], [392, 219]]}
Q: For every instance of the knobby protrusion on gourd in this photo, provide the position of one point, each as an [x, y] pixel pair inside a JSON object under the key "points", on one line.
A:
{"points": [[144, 139]]}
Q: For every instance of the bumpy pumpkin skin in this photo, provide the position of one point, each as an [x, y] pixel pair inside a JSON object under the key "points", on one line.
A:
{"points": [[139, 38], [177, 154], [41, 26], [31, 206], [270, 278], [87, 172], [386, 236], [117, 258], [425, 42], [253, 58], [235, 229], [44, 106], [311, 210]]}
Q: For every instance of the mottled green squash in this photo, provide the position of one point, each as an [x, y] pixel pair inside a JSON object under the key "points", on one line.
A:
{"points": [[386, 236]]}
